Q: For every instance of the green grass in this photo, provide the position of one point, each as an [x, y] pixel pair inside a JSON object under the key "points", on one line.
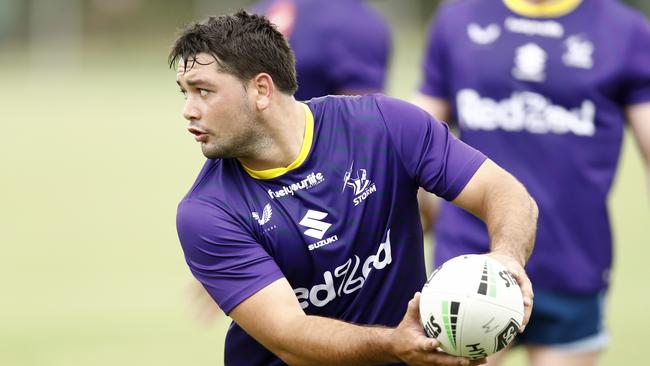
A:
{"points": [[94, 161]]}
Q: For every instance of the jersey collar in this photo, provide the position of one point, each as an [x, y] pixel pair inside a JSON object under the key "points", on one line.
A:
{"points": [[547, 9], [302, 156]]}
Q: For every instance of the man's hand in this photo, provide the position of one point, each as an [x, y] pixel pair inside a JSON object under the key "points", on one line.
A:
{"points": [[205, 310], [412, 346], [517, 271]]}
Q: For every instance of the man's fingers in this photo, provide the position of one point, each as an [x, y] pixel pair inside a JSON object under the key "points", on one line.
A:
{"points": [[440, 358], [528, 295], [429, 345], [413, 309], [482, 361]]}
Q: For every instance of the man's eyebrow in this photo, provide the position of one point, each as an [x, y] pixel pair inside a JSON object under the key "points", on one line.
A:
{"points": [[194, 82]]}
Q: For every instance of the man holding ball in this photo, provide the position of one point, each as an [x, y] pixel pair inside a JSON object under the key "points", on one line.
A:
{"points": [[311, 269]]}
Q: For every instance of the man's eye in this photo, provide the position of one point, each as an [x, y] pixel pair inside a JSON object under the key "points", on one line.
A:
{"points": [[184, 93], [203, 92]]}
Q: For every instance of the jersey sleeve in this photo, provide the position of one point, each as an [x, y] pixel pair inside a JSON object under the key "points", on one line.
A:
{"points": [[638, 64], [434, 158], [434, 65], [221, 254]]}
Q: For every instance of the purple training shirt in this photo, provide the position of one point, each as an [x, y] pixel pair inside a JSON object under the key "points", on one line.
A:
{"points": [[342, 227], [544, 98]]}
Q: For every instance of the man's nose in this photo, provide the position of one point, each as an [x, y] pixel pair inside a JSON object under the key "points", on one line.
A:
{"points": [[190, 112]]}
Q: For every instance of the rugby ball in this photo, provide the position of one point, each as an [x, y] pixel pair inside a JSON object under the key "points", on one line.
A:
{"points": [[472, 305]]}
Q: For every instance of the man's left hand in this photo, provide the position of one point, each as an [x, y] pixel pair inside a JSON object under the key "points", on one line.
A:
{"points": [[517, 271]]}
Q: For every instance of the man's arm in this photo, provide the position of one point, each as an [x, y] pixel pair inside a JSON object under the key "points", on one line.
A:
{"points": [[274, 318], [510, 214], [638, 117]]}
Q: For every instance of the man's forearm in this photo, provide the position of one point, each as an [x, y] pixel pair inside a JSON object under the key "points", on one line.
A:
{"points": [[510, 214], [505, 206], [511, 219], [274, 318], [321, 341]]}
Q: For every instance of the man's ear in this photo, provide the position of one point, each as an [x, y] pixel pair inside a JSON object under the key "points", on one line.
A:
{"points": [[264, 87]]}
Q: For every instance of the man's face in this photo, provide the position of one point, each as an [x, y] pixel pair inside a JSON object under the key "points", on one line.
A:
{"points": [[218, 108]]}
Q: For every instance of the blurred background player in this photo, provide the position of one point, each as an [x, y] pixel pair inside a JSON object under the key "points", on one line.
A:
{"points": [[544, 88], [340, 46]]}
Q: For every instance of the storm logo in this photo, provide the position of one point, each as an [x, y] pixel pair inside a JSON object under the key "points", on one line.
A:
{"points": [[360, 185]]}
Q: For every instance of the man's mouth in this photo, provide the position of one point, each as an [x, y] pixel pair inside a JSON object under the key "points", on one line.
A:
{"points": [[199, 134]]}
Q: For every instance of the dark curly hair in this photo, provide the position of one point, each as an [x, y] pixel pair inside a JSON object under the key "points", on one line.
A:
{"points": [[243, 45]]}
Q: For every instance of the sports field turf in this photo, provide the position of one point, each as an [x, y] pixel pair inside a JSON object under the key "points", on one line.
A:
{"points": [[94, 160]]}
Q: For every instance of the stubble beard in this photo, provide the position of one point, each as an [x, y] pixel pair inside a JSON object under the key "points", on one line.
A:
{"points": [[244, 145]]}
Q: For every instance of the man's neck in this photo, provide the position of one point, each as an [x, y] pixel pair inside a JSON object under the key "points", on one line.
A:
{"points": [[285, 124]]}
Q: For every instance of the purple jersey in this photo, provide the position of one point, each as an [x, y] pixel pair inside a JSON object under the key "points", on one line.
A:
{"points": [[340, 45], [543, 98], [342, 226]]}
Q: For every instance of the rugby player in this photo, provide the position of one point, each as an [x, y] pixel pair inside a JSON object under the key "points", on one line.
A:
{"points": [[545, 88], [303, 222]]}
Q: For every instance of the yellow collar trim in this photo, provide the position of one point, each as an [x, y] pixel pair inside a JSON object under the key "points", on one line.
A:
{"points": [[550, 8], [304, 151]]}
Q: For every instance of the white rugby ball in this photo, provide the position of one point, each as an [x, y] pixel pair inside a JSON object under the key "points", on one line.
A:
{"points": [[472, 305]]}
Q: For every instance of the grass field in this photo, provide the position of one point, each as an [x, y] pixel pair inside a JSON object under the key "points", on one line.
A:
{"points": [[94, 160]]}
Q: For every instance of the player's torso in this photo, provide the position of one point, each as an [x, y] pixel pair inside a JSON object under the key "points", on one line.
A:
{"points": [[542, 96], [544, 76], [337, 224]]}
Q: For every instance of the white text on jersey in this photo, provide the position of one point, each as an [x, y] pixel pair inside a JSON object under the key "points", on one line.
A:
{"points": [[345, 279], [524, 111], [529, 27], [310, 181]]}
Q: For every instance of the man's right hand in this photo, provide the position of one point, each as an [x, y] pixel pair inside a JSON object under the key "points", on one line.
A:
{"points": [[205, 310], [412, 346]]}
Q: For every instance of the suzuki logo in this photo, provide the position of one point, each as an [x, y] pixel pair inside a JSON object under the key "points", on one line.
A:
{"points": [[312, 220]]}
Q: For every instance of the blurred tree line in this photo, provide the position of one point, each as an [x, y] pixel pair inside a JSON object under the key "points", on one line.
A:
{"points": [[23, 20], [71, 24]]}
